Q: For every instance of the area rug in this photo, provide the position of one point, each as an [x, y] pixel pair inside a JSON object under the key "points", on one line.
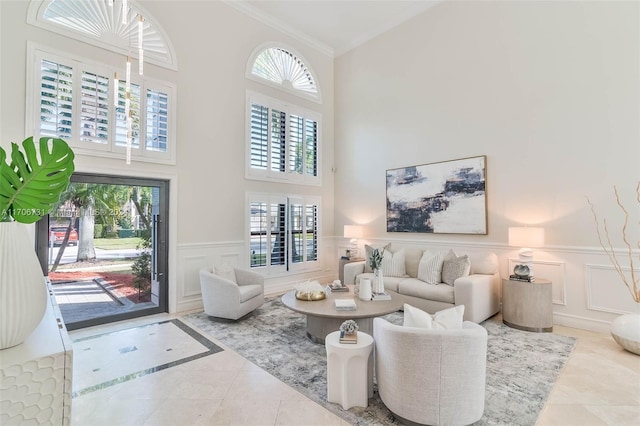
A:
{"points": [[521, 366]]}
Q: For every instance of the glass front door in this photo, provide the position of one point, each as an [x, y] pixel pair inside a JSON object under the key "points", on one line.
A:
{"points": [[105, 249]]}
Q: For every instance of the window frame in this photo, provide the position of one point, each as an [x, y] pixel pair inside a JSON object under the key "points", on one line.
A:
{"points": [[289, 266], [36, 53], [268, 174]]}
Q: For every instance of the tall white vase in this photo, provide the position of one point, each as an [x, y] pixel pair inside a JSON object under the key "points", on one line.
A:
{"points": [[23, 293]]}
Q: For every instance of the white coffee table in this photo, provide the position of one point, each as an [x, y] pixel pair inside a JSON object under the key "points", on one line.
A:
{"points": [[323, 318]]}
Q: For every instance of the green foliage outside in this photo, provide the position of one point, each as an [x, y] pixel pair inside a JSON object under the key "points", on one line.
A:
{"points": [[141, 267]]}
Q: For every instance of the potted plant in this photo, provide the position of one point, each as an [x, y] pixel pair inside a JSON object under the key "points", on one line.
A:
{"points": [[626, 328], [375, 263], [30, 185]]}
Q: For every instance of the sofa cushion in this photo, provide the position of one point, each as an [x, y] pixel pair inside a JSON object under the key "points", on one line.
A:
{"points": [[393, 264], [449, 319], [412, 256], [249, 291], [430, 267], [484, 263], [416, 288], [452, 269], [368, 250]]}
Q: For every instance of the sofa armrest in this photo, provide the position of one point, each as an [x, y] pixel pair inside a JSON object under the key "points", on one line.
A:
{"points": [[480, 295], [352, 270], [217, 291]]}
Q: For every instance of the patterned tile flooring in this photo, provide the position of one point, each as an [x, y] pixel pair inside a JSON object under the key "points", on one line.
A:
{"points": [[151, 371]]}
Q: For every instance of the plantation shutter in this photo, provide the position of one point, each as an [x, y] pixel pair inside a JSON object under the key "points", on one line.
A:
{"points": [[278, 246], [94, 108], [311, 140], [157, 130], [121, 118], [311, 220], [259, 136], [56, 99], [296, 146], [278, 141]]}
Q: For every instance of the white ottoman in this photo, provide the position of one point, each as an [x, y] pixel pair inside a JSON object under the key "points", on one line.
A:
{"points": [[349, 370]]}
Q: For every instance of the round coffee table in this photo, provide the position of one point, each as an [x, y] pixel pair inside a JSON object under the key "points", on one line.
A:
{"points": [[323, 318]]}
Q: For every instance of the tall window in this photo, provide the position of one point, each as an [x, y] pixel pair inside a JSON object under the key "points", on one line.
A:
{"points": [[283, 142], [79, 102], [283, 232]]}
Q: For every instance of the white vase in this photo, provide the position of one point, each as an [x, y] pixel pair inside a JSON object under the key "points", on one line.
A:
{"points": [[23, 293], [378, 281], [364, 291], [626, 331]]}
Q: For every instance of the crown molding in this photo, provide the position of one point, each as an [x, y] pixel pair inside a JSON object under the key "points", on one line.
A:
{"points": [[269, 20]]}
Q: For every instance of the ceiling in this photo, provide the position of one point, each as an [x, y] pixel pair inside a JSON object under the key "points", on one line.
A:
{"points": [[333, 26]]}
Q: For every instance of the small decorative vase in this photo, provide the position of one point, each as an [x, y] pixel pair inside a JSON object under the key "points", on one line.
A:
{"points": [[626, 331], [23, 293], [378, 281], [364, 293]]}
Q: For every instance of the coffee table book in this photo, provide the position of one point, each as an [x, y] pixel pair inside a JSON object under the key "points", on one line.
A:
{"points": [[345, 304], [381, 296], [348, 338]]}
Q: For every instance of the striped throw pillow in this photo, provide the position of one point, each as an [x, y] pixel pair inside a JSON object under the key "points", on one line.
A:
{"points": [[430, 267], [393, 264]]}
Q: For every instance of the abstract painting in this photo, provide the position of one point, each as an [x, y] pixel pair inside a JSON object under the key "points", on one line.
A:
{"points": [[448, 197]]}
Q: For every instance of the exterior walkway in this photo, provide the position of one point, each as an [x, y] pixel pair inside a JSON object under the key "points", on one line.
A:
{"points": [[84, 300]]}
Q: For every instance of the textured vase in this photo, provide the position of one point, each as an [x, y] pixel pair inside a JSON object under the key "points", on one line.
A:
{"points": [[626, 331], [23, 293], [378, 281]]}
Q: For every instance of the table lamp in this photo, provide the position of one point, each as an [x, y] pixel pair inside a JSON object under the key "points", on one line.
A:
{"points": [[354, 232], [526, 238]]}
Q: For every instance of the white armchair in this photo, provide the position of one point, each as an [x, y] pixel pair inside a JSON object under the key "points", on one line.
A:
{"points": [[430, 376], [232, 295]]}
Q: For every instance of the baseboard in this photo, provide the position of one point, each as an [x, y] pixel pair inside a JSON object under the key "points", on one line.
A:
{"points": [[574, 321]]}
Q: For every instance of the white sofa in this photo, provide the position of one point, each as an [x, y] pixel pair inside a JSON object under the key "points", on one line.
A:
{"points": [[479, 291]]}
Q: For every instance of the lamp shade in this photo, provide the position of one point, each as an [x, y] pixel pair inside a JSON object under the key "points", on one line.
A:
{"points": [[526, 236], [353, 231]]}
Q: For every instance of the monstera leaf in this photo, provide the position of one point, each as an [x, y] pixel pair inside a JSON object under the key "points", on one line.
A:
{"points": [[31, 185]]}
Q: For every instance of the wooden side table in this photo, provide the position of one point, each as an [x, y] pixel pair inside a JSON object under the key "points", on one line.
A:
{"points": [[527, 306]]}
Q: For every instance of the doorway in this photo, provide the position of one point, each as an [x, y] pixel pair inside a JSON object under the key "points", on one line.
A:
{"points": [[105, 249]]}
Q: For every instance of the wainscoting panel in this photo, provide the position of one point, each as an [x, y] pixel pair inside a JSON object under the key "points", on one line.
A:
{"points": [[554, 272], [190, 275], [605, 290]]}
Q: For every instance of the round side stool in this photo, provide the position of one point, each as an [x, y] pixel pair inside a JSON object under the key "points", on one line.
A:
{"points": [[349, 370]]}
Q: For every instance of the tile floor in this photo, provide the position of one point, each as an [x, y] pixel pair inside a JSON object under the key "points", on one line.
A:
{"points": [[599, 386]]}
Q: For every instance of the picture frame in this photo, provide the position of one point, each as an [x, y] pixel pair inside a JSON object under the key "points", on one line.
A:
{"points": [[447, 197]]}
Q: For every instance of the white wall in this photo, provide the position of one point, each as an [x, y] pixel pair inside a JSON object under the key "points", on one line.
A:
{"points": [[213, 43], [548, 91]]}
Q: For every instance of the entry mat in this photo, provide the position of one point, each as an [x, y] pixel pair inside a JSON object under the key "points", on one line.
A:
{"points": [[107, 359]]}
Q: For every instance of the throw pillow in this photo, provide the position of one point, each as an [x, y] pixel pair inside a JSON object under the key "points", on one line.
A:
{"points": [[446, 319], [368, 250], [449, 319], [414, 317], [225, 271], [430, 267], [453, 269], [393, 264]]}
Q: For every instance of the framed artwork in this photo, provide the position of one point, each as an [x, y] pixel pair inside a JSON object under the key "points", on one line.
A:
{"points": [[440, 198]]}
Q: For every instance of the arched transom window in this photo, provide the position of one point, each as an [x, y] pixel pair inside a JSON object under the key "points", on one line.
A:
{"points": [[279, 66], [110, 24]]}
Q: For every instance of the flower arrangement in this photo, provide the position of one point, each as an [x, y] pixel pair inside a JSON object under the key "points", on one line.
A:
{"points": [[349, 327], [375, 261], [632, 281]]}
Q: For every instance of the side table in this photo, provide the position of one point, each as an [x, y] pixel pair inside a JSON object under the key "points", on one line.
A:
{"points": [[527, 306], [349, 370]]}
